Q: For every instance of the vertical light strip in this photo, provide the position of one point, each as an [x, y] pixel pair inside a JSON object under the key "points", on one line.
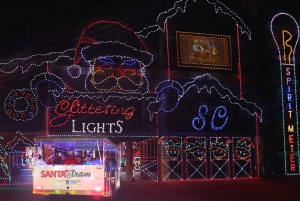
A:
{"points": [[239, 60], [47, 121], [168, 50], [47, 111], [256, 147], [288, 87]]}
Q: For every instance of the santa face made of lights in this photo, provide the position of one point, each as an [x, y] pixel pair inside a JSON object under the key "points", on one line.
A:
{"points": [[116, 66]]}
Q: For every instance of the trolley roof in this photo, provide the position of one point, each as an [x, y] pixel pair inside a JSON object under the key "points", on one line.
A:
{"points": [[77, 143]]}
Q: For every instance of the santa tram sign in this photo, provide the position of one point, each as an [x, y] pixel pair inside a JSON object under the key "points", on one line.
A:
{"points": [[286, 40]]}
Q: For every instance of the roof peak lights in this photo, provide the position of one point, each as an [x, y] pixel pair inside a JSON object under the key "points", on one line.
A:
{"points": [[181, 5]]}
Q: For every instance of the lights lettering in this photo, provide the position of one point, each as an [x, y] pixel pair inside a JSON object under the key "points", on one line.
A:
{"points": [[98, 127], [201, 119], [64, 173], [65, 110], [286, 40]]}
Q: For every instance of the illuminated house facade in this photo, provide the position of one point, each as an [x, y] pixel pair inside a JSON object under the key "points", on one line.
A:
{"points": [[180, 90]]}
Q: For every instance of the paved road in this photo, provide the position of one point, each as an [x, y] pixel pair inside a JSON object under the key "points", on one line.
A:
{"points": [[273, 189]]}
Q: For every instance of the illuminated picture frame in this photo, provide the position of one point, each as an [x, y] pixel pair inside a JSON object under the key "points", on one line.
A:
{"points": [[201, 50]]}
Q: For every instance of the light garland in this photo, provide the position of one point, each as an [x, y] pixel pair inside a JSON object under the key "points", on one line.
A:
{"points": [[155, 106], [168, 51], [34, 57], [257, 151], [239, 61], [181, 6], [25, 114]]}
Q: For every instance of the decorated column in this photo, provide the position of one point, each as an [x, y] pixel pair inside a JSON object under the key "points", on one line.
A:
{"points": [[285, 31]]}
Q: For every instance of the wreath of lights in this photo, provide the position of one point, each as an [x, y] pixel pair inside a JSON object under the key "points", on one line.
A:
{"points": [[27, 113], [173, 148], [220, 147], [181, 6], [242, 149], [196, 146]]}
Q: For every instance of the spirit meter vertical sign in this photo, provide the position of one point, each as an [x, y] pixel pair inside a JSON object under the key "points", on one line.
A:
{"points": [[285, 32]]}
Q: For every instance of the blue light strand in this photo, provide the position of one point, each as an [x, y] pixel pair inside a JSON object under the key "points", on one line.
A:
{"points": [[221, 116], [200, 118]]}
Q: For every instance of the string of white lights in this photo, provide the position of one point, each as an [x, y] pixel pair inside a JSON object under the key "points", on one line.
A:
{"points": [[181, 6], [196, 83]]}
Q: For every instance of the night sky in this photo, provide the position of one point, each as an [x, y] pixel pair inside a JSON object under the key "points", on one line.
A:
{"points": [[30, 21]]}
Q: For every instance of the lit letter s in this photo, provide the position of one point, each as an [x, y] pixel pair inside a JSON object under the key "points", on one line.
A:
{"points": [[200, 118]]}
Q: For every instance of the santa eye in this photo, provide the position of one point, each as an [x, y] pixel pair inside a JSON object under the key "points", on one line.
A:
{"points": [[106, 60], [129, 62]]}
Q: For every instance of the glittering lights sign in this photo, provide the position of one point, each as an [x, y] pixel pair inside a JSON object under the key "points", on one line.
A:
{"points": [[67, 110], [285, 32], [203, 50]]}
